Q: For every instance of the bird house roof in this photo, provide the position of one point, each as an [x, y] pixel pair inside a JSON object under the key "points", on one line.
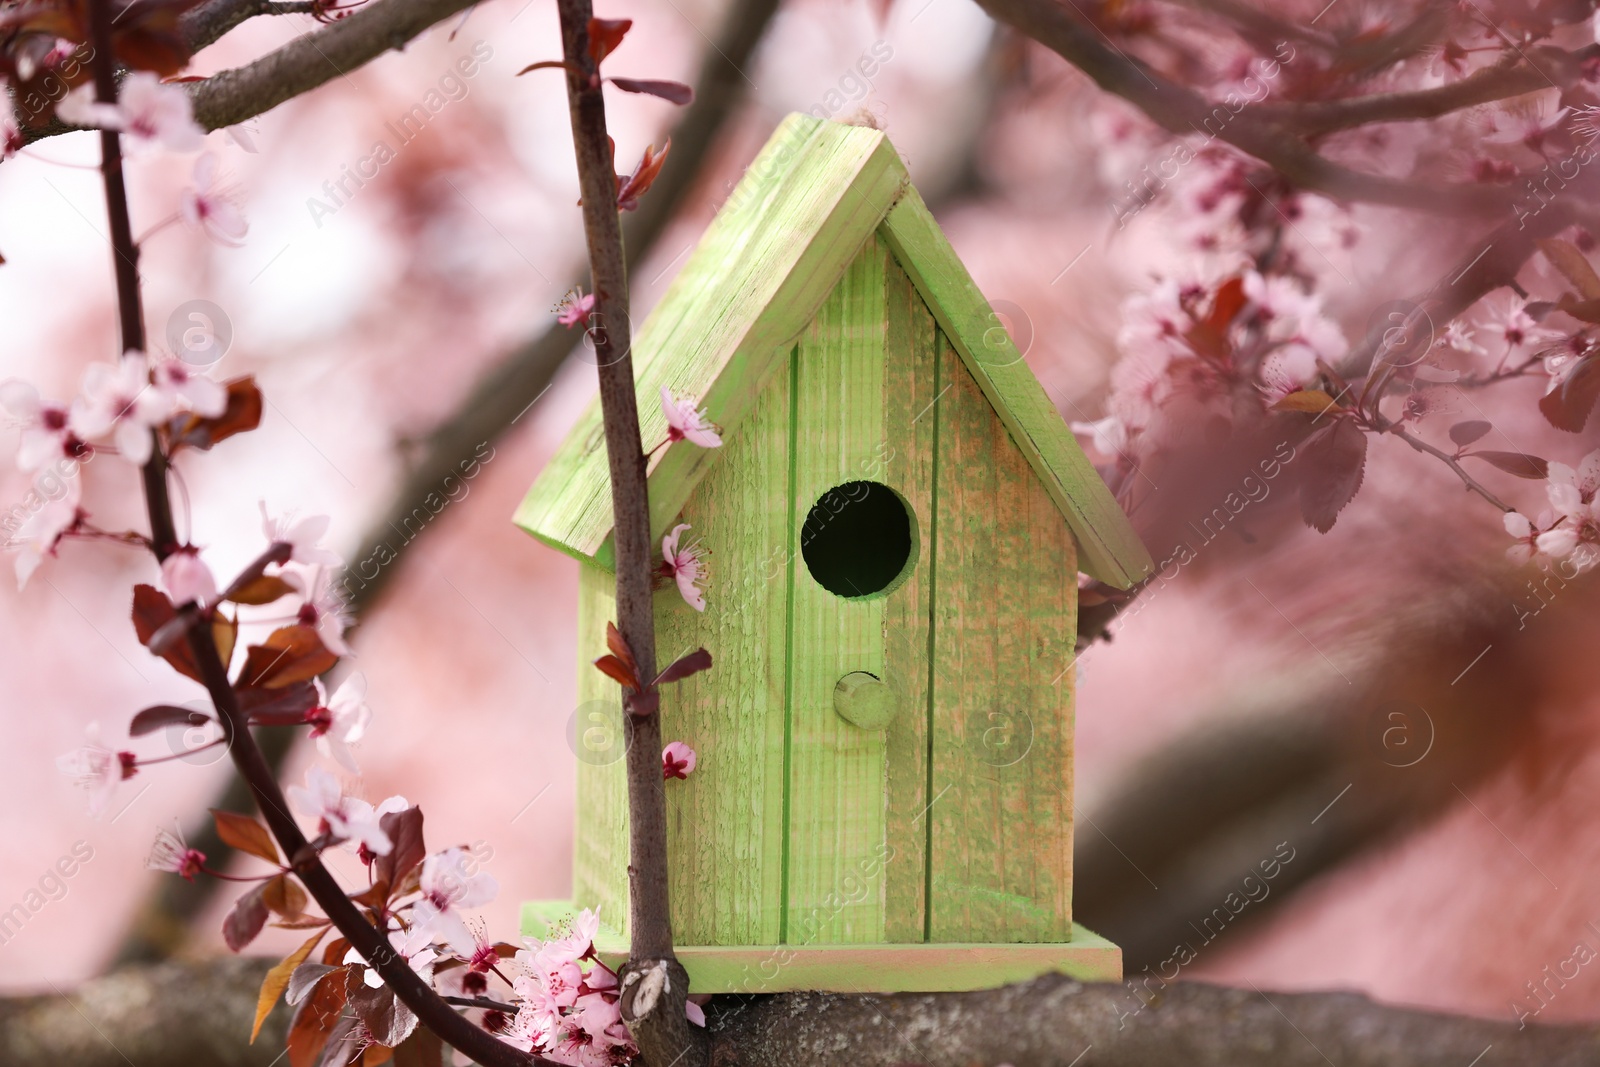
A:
{"points": [[774, 252]]}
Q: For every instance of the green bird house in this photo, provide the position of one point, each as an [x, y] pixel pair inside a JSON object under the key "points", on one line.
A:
{"points": [[894, 526]]}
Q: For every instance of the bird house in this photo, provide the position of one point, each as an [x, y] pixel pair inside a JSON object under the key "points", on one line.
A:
{"points": [[895, 525]]}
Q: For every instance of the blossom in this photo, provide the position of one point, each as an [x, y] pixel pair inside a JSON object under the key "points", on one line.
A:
{"points": [[118, 399], [339, 816], [177, 381], [1509, 321], [1525, 536], [448, 882], [45, 434], [686, 423], [172, 854], [1572, 492], [421, 959], [187, 578], [211, 207], [322, 608], [301, 537], [677, 760], [1110, 434], [574, 309], [341, 721], [148, 111], [98, 769], [43, 529], [1288, 370], [685, 565]]}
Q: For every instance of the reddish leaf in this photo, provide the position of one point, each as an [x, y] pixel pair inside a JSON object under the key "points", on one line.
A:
{"points": [[245, 834], [644, 176], [546, 64], [153, 613], [389, 1021], [1330, 471], [242, 413], [1573, 264], [283, 896], [605, 35], [421, 1049], [673, 92], [1310, 401], [618, 671], [305, 922], [224, 634], [1567, 406], [317, 1017], [405, 835], [682, 667], [288, 655], [335, 952], [277, 980], [285, 705], [374, 896], [303, 979], [245, 921], [160, 716], [1209, 336], [1519, 463], [1587, 310], [1464, 433], [261, 589]]}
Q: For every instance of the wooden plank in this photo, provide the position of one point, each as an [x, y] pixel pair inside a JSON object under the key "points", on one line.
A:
{"points": [[804, 207], [1004, 620], [600, 840], [854, 855], [725, 822], [1111, 551]]}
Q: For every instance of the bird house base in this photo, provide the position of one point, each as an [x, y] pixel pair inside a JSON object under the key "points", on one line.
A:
{"points": [[893, 968]]}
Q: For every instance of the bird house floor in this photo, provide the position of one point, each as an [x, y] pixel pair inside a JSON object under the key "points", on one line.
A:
{"points": [[890, 968]]}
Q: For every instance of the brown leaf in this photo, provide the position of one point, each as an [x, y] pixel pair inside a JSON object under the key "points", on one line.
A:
{"points": [[644, 176], [605, 35], [304, 922], [673, 92], [277, 980], [282, 706], [682, 667], [160, 716], [224, 634], [1586, 310], [376, 1056], [1209, 336], [317, 1017], [304, 979], [243, 413], [245, 834], [262, 589], [152, 612], [546, 64], [1573, 264], [1330, 472], [421, 1049], [283, 896], [1519, 463], [407, 850], [245, 921], [335, 952], [1567, 406], [389, 1021], [1464, 433], [289, 654], [617, 671], [1310, 401]]}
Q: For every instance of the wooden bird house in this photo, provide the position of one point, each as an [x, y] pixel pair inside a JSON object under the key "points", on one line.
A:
{"points": [[895, 525]]}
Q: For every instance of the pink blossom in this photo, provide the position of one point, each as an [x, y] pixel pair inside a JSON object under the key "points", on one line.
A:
{"points": [[686, 423], [302, 537], [1108, 435], [119, 400], [44, 528], [98, 769], [148, 111], [421, 959], [448, 882], [686, 566], [45, 434], [187, 578], [323, 607], [172, 854], [178, 381], [339, 816], [677, 760], [1525, 536], [341, 721], [1288, 370], [1509, 321], [212, 208], [575, 309]]}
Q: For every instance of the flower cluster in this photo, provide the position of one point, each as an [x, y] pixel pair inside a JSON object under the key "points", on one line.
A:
{"points": [[1569, 529]]}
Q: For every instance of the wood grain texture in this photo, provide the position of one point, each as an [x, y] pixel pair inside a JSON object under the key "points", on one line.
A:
{"points": [[770, 257], [1112, 550], [854, 861], [725, 821], [597, 737], [1005, 620]]}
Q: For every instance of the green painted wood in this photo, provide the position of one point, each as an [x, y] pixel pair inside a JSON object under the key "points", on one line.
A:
{"points": [[802, 210], [852, 968], [1004, 628], [1112, 551], [864, 700], [855, 862], [725, 822], [600, 840]]}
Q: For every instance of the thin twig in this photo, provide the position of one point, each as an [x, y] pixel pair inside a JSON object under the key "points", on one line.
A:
{"points": [[1397, 430]]}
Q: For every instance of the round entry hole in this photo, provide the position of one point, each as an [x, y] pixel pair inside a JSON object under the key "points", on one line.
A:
{"points": [[857, 539]]}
